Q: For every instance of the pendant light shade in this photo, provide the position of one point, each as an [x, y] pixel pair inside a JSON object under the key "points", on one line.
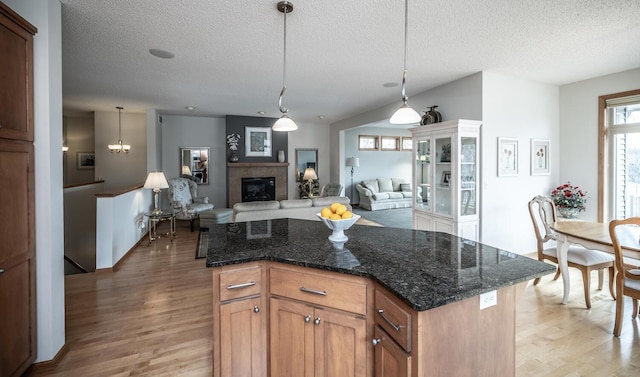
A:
{"points": [[284, 123], [119, 146], [405, 114]]}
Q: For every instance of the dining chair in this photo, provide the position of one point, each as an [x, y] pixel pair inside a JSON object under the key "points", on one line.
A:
{"points": [[543, 214], [627, 278]]}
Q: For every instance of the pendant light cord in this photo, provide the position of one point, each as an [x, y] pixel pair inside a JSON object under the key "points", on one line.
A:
{"points": [[120, 124], [406, 32], [284, 64]]}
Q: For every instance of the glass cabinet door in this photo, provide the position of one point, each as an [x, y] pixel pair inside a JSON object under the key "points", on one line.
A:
{"points": [[442, 198], [423, 174], [468, 178]]}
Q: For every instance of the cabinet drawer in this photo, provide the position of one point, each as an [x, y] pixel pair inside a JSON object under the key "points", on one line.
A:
{"points": [[241, 282], [393, 318], [327, 290]]}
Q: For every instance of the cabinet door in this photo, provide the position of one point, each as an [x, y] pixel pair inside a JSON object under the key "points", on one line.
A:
{"points": [[340, 344], [17, 258], [16, 75], [291, 338], [390, 359], [243, 338]]}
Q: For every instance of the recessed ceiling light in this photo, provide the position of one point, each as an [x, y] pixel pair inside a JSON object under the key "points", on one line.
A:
{"points": [[390, 84], [162, 54], [262, 112], [190, 108], [321, 117]]}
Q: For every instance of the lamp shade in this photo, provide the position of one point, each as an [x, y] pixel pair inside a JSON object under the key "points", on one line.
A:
{"points": [[156, 180], [405, 115], [186, 170], [353, 162], [309, 174], [284, 123]]}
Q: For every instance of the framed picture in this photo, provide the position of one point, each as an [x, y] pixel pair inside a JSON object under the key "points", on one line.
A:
{"points": [[367, 143], [390, 143], [257, 141], [540, 157], [446, 178], [86, 160], [407, 143], [507, 157]]}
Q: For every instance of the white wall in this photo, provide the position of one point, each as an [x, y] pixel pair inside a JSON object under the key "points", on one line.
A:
{"points": [[524, 110], [120, 170], [47, 56], [79, 137], [579, 131], [309, 135]]}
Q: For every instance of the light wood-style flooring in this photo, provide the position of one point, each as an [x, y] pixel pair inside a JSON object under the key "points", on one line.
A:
{"points": [[153, 317]]}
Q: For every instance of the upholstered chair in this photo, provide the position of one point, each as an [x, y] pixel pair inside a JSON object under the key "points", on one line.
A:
{"points": [[183, 195], [332, 189]]}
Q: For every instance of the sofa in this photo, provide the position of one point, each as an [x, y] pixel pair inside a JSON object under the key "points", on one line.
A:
{"points": [[305, 209], [385, 193]]}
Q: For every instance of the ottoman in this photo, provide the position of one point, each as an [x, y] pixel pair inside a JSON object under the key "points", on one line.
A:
{"points": [[215, 216]]}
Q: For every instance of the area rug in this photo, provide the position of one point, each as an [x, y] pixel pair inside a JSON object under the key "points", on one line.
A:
{"points": [[203, 243], [392, 218]]}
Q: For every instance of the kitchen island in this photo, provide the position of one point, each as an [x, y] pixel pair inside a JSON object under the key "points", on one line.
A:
{"points": [[393, 302]]}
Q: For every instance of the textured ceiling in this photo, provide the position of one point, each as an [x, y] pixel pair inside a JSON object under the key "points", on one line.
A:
{"points": [[229, 55]]}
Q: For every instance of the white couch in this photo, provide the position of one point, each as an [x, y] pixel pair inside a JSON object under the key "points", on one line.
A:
{"points": [[384, 193], [305, 209]]}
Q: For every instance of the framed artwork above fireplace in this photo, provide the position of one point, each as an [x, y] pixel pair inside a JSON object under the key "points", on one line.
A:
{"points": [[257, 141]]}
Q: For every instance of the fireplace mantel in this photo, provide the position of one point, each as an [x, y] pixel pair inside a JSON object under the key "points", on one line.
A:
{"points": [[238, 170]]}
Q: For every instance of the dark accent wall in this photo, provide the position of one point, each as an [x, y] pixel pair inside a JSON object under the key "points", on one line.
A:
{"points": [[236, 125]]}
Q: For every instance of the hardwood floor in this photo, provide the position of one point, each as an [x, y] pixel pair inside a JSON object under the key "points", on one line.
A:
{"points": [[153, 317]]}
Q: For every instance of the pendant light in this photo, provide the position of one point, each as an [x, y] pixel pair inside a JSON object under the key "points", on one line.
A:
{"points": [[119, 147], [405, 114], [284, 123]]}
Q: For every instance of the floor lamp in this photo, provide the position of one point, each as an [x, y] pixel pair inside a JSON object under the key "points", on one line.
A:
{"points": [[353, 162]]}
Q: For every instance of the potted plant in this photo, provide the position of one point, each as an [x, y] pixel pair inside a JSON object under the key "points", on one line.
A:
{"points": [[569, 200]]}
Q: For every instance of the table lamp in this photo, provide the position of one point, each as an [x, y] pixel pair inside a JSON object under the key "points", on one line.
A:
{"points": [[156, 181], [308, 177]]}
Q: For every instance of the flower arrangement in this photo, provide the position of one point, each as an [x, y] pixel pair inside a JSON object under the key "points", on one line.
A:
{"points": [[569, 197], [232, 141]]}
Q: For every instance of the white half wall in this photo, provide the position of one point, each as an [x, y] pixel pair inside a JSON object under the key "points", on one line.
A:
{"points": [[579, 131]]}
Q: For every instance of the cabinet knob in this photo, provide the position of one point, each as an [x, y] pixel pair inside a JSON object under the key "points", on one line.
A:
{"points": [[1, 270], [317, 321], [307, 319], [256, 309], [375, 341]]}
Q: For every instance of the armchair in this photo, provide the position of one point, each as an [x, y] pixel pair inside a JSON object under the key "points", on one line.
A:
{"points": [[183, 195], [332, 189]]}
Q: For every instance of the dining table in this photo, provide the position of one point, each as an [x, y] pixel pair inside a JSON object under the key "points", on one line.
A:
{"points": [[595, 236]]}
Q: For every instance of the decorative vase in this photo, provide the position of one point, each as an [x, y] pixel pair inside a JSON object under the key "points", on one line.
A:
{"points": [[431, 116], [568, 213], [281, 156], [233, 157]]}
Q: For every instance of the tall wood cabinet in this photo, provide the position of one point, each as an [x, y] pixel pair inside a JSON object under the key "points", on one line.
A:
{"points": [[446, 173], [17, 254]]}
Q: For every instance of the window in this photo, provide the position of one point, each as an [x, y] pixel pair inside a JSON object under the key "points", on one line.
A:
{"points": [[620, 172], [390, 143], [367, 143]]}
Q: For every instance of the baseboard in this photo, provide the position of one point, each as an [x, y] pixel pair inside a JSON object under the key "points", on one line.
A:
{"points": [[49, 365]]}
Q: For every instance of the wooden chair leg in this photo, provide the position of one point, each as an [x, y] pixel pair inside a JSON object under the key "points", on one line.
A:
{"points": [[600, 278], [619, 310], [586, 280], [557, 275], [191, 221], [611, 280]]}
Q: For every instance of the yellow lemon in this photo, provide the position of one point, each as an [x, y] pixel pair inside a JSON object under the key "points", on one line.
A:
{"points": [[347, 215], [334, 207], [326, 212], [335, 216], [341, 209]]}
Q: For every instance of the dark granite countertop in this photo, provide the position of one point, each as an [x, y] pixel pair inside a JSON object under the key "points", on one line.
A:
{"points": [[424, 269]]}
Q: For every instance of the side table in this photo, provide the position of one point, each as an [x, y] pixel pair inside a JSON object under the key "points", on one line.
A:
{"points": [[157, 217]]}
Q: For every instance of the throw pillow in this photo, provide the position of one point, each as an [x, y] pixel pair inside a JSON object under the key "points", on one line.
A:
{"points": [[397, 182], [385, 185], [405, 187]]}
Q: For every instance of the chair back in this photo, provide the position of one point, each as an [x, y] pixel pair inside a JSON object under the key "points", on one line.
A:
{"points": [[331, 189], [182, 192], [625, 232], [543, 212]]}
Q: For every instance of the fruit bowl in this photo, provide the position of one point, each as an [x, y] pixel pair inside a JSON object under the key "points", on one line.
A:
{"points": [[338, 227]]}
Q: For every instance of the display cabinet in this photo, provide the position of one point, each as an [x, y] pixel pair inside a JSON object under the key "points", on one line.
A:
{"points": [[447, 168]]}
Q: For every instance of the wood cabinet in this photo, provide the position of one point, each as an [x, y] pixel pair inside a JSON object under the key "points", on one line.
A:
{"points": [[240, 321], [390, 359], [446, 169], [17, 254]]}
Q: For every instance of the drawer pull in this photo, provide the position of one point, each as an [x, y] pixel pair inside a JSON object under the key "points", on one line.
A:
{"points": [[1, 270], [395, 327], [319, 293], [376, 341], [243, 285]]}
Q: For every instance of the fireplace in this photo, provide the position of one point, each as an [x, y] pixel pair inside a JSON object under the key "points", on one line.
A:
{"points": [[258, 189]]}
